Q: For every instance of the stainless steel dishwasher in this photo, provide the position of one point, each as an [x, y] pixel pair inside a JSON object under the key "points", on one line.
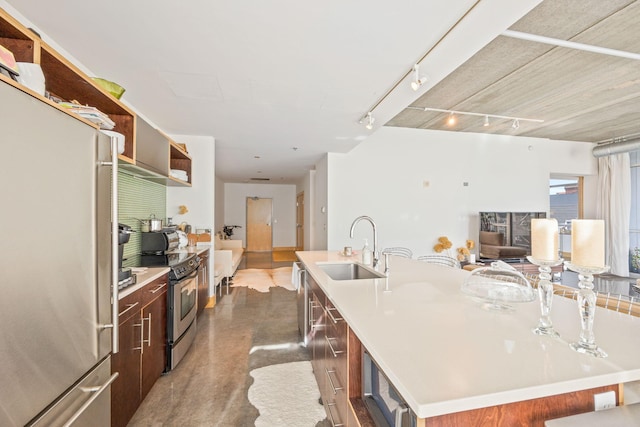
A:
{"points": [[303, 305]]}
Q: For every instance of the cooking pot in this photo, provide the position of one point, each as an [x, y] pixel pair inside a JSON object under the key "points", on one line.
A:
{"points": [[151, 224]]}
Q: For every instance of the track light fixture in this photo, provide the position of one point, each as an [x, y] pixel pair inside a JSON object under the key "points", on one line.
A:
{"points": [[417, 80], [451, 120], [369, 119]]}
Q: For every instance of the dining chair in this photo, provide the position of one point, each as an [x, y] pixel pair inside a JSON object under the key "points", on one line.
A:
{"points": [[399, 251], [440, 259]]}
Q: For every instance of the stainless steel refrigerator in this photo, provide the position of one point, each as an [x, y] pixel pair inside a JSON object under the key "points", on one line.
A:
{"points": [[56, 266]]}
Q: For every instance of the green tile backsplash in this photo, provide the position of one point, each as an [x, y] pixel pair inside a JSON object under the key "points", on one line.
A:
{"points": [[138, 199]]}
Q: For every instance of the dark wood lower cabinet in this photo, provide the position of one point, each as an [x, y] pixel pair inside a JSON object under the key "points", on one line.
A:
{"points": [[328, 347], [203, 281], [154, 354], [317, 340], [125, 390], [335, 366], [143, 349]]}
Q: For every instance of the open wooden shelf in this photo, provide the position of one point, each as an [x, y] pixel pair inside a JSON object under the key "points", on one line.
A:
{"points": [[179, 159], [67, 82]]}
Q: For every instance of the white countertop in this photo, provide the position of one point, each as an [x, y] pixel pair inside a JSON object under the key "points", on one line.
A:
{"points": [[200, 248], [445, 353], [149, 274], [143, 278]]}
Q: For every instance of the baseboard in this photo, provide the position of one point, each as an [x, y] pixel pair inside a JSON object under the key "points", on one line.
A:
{"points": [[211, 303], [284, 248]]}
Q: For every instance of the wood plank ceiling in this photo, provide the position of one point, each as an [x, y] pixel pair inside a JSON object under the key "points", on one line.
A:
{"points": [[581, 96]]}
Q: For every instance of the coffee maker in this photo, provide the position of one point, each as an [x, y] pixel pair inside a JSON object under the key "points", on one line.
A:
{"points": [[125, 278]]}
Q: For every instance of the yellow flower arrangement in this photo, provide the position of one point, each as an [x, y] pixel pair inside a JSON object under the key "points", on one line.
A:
{"points": [[463, 252]]}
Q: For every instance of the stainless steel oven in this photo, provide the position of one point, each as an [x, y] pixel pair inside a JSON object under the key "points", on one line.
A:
{"points": [[385, 405], [184, 303], [182, 307]]}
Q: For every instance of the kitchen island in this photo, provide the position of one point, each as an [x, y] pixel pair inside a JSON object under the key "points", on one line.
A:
{"points": [[446, 354]]}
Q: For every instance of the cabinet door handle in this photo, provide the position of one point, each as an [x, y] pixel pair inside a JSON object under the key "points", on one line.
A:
{"points": [[148, 341], [333, 351], [311, 319], [333, 422], [333, 319], [141, 326], [129, 307], [160, 286], [333, 387]]}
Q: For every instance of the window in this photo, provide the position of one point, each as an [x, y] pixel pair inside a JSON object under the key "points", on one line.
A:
{"points": [[565, 204], [634, 220]]}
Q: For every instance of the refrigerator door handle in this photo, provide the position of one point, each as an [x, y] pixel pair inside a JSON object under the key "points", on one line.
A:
{"points": [[115, 334], [97, 391]]}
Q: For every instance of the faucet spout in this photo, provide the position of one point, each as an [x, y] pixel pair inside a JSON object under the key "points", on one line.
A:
{"points": [[376, 257]]}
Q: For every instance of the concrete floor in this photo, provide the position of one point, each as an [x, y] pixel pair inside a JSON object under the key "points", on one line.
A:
{"points": [[209, 386]]}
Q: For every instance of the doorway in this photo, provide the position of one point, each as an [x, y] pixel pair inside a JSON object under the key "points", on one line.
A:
{"points": [[300, 221], [259, 228]]}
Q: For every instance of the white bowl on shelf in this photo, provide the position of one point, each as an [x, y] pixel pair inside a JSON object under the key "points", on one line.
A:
{"points": [[31, 76]]}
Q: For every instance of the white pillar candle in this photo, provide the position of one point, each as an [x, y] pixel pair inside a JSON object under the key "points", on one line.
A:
{"points": [[587, 242], [544, 239]]}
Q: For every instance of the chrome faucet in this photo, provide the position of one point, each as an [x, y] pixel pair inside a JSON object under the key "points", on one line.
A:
{"points": [[375, 236]]}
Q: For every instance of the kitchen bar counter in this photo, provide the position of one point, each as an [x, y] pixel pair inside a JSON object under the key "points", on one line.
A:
{"points": [[445, 353]]}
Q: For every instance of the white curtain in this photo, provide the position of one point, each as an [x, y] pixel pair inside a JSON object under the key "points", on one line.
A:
{"points": [[614, 206]]}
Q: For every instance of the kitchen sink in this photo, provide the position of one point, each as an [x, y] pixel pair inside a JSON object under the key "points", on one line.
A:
{"points": [[349, 271]]}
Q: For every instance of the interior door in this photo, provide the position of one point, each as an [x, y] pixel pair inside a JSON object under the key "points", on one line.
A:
{"points": [[300, 222], [259, 229]]}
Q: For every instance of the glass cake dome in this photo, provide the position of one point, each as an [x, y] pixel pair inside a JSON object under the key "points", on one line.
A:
{"points": [[498, 286]]}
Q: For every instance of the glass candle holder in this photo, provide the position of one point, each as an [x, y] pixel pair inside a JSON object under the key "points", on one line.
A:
{"points": [[587, 308], [545, 293]]}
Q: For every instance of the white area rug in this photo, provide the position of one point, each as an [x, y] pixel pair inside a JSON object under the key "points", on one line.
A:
{"points": [[286, 395], [263, 279]]}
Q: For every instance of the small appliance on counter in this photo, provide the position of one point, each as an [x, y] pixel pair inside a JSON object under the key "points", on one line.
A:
{"points": [[125, 278], [159, 242]]}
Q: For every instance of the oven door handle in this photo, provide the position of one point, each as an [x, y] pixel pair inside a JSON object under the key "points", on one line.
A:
{"points": [[192, 275]]}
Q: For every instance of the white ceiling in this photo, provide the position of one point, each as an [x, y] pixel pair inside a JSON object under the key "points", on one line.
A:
{"points": [[263, 77]]}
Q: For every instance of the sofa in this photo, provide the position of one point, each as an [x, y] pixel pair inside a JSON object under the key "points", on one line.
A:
{"points": [[492, 246], [227, 255]]}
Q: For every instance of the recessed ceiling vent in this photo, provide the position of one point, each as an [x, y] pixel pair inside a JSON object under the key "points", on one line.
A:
{"points": [[260, 179]]}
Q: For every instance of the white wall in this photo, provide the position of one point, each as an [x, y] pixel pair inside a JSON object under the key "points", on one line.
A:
{"points": [[284, 210], [412, 183], [320, 219], [219, 206], [200, 197], [306, 185]]}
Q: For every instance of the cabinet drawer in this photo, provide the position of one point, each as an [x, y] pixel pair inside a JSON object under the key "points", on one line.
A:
{"points": [[336, 343], [335, 401], [335, 392], [129, 306], [151, 291], [336, 362]]}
